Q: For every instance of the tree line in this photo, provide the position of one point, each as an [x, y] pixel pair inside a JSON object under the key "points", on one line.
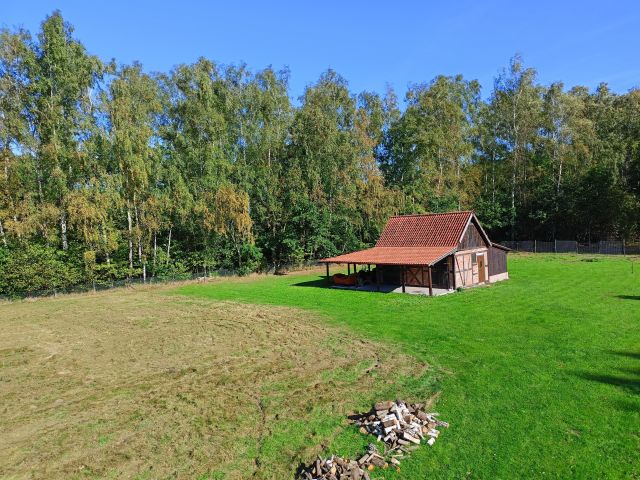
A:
{"points": [[111, 172]]}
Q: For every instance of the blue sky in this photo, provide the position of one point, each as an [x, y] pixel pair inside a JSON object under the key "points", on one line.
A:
{"points": [[370, 43]]}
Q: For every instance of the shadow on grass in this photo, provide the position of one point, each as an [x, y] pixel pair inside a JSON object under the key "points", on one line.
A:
{"points": [[626, 354], [322, 283], [628, 297], [628, 383], [627, 406]]}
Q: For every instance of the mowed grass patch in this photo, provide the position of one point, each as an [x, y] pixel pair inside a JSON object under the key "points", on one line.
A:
{"points": [[139, 384], [539, 375]]}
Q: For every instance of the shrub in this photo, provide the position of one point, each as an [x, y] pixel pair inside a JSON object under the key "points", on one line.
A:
{"points": [[174, 270], [37, 268]]}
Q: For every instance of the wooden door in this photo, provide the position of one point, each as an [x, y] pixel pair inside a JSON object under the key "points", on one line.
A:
{"points": [[481, 274]]}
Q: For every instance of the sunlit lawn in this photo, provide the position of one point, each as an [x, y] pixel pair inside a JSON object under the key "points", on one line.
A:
{"points": [[539, 376]]}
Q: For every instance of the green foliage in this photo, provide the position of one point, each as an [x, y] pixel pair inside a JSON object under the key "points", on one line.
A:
{"points": [[210, 167], [4, 260], [108, 273], [174, 270], [37, 268]]}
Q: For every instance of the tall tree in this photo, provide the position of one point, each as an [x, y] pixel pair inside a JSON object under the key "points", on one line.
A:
{"points": [[133, 104], [433, 142], [16, 142], [516, 102], [61, 81]]}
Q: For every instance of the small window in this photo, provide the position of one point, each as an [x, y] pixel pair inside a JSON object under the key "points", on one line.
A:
{"points": [[474, 258]]}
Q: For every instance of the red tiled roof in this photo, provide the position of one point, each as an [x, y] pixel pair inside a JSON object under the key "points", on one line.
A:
{"points": [[394, 256], [412, 240], [430, 230]]}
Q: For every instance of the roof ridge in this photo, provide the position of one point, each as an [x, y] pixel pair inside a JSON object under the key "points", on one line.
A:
{"points": [[431, 214]]}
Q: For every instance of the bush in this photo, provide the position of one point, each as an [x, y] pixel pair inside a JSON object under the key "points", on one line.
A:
{"points": [[37, 268], [108, 273], [174, 270], [251, 259]]}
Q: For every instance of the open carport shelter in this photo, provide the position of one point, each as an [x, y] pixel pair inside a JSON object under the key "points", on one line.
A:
{"points": [[440, 250]]}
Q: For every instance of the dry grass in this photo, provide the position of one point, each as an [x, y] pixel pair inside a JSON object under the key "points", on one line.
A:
{"points": [[139, 384]]}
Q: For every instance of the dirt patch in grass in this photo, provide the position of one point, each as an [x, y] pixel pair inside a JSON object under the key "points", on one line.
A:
{"points": [[137, 384]]}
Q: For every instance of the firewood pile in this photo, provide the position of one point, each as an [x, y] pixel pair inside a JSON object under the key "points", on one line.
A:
{"points": [[400, 426], [338, 468]]}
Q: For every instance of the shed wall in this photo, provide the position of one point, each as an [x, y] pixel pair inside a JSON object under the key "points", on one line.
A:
{"points": [[466, 272], [497, 261]]}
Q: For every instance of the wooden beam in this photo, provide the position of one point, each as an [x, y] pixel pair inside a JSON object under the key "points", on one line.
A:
{"points": [[430, 283], [348, 269], [452, 272], [328, 278], [403, 279]]}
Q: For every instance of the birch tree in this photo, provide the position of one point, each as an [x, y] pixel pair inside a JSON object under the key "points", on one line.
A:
{"points": [[132, 105]]}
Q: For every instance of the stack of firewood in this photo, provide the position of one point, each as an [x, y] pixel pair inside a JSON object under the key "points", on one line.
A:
{"points": [[400, 426], [338, 468]]}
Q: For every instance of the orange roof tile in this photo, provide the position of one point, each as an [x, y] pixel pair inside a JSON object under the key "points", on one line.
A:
{"points": [[429, 230], [394, 256], [413, 240]]}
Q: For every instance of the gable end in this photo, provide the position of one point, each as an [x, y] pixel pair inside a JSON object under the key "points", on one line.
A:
{"points": [[473, 238]]}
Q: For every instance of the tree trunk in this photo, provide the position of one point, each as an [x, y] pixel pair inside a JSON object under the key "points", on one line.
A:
{"points": [[169, 247], [513, 205], [63, 230], [493, 177], [135, 211], [106, 246], [4, 238], [155, 249], [129, 223]]}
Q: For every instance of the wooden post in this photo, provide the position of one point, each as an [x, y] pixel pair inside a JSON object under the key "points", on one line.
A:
{"points": [[623, 248], [452, 272], [328, 278], [348, 269], [430, 283], [403, 274], [378, 278], [555, 246]]}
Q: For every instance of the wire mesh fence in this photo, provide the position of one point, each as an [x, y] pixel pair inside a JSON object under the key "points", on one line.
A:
{"points": [[201, 274], [99, 286], [604, 247]]}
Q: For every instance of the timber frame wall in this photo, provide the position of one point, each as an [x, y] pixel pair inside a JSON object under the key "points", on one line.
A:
{"points": [[472, 245]]}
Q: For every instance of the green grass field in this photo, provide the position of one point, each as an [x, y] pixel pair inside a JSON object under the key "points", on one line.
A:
{"points": [[241, 378], [539, 376]]}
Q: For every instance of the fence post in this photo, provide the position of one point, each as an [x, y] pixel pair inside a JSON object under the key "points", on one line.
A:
{"points": [[535, 246], [623, 249], [555, 246]]}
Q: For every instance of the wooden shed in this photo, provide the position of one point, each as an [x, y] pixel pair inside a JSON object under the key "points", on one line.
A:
{"points": [[443, 251]]}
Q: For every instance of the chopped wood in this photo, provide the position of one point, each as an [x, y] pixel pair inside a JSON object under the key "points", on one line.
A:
{"points": [[400, 426]]}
